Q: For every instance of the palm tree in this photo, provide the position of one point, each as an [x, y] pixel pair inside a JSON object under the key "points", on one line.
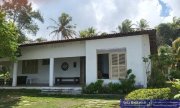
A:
{"points": [[126, 26], [142, 25], [63, 27], [88, 32]]}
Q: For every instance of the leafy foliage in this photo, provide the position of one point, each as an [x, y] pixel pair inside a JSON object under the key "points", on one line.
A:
{"points": [[126, 26], [63, 27], [142, 25], [143, 94], [163, 66], [21, 13], [176, 84], [176, 48], [4, 74], [88, 32], [94, 88], [114, 88], [124, 86], [8, 37], [128, 84], [167, 32]]}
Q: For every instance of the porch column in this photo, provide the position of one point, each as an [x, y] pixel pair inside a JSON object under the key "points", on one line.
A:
{"points": [[51, 72], [15, 69]]}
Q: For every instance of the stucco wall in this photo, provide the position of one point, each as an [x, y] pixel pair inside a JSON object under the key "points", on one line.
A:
{"points": [[137, 47], [42, 77], [134, 49], [69, 49]]}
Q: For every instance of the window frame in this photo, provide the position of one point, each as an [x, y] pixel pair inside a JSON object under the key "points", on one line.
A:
{"points": [[110, 65], [26, 66]]}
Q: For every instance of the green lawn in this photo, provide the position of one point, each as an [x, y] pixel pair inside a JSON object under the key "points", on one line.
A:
{"points": [[34, 99]]}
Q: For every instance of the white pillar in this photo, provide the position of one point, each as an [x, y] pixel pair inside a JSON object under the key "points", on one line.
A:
{"points": [[51, 72], [15, 69]]}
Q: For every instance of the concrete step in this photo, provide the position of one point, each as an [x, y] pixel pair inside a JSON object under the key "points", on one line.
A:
{"points": [[62, 91]]}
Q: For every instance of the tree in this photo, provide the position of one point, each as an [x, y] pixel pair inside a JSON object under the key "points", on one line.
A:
{"points": [[142, 25], [63, 27], [176, 48], [168, 32], [8, 37], [20, 12], [41, 39], [88, 32], [126, 26]]}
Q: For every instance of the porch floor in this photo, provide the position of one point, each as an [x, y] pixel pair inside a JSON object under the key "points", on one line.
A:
{"points": [[41, 87]]}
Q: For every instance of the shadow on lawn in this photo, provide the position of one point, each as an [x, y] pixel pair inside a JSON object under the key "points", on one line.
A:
{"points": [[7, 101], [37, 93], [10, 98]]}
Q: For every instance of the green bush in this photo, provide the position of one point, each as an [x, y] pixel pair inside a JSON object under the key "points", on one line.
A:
{"points": [[176, 85], [174, 73], [113, 88], [141, 94], [128, 84], [124, 86], [93, 88]]}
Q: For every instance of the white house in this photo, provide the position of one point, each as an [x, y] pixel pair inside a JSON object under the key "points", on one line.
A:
{"points": [[82, 60]]}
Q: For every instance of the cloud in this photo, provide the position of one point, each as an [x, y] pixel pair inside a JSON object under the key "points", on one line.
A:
{"points": [[105, 15]]}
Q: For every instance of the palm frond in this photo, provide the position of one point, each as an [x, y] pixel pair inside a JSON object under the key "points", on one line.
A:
{"points": [[55, 22], [52, 27]]}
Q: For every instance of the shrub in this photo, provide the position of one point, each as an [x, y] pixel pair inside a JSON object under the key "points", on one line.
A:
{"points": [[114, 88], [128, 84], [93, 88], [141, 94], [175, 74], [124, 86], [176, 85]]}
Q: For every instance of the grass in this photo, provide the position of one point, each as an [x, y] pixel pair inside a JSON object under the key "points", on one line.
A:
{"points": [[34, 99]]}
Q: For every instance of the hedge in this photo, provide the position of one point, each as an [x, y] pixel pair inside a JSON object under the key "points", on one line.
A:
{"points": [[147, 94]]}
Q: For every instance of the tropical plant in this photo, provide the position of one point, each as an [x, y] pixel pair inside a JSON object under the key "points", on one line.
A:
{"points": [[126, 26], [21, 13], [164, 64], [8, 37], [142, 25], [94, 88], [176, 48], [168, 32], [4, 73], [176, 84], [128, 84], [149, 94], [63, 27], [88, 32]]}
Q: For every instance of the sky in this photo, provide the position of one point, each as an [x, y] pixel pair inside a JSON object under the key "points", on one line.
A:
{"points": [[104, 15]]}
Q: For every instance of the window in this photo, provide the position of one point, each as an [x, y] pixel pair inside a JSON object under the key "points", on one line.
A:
{"points": [[111, 63], [45, 62], [103, 66], [29, 66], [117, 65]]}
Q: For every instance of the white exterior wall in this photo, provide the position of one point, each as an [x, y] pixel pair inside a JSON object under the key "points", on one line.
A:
{"points": [[137, 47], [58, 50], [71, 72], [134, 49], [42, 77]]}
